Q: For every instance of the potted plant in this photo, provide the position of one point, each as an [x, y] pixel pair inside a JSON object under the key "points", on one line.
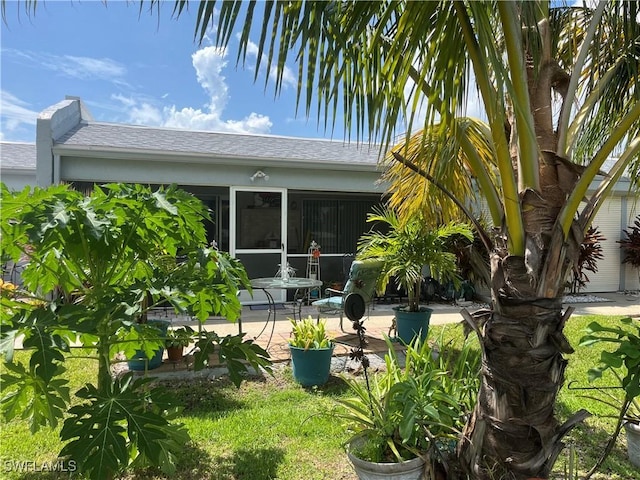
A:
{"points": [[624, 363], [176, 341], [405, 249], [153, 333], [410, 413], [311, 351]]}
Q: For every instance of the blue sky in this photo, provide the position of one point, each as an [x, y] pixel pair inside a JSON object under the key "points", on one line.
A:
{"points": [[138, 69]]}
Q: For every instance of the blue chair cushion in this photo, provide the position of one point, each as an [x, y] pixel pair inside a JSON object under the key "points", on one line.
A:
{"points": [[330, 303]]}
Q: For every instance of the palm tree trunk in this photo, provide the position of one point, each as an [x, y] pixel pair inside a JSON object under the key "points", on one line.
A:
{"points": [[513, 433]]}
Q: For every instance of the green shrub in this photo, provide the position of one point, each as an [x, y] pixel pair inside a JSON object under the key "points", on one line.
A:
{"points": [[412, 409]]}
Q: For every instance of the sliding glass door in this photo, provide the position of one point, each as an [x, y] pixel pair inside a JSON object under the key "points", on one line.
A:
{"points": [[258, 234]]}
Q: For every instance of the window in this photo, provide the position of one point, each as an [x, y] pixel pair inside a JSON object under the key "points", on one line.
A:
{"points": [[336, 224]]}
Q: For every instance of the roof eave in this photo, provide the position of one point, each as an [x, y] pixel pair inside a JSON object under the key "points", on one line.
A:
{"points": [[17, 169], [164, 156]]}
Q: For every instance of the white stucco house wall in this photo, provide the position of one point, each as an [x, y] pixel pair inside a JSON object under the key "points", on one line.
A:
{"points": [[270, 195], [17, 164]]}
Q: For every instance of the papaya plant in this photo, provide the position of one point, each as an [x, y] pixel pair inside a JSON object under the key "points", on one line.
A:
{"points": [[94, 266]]}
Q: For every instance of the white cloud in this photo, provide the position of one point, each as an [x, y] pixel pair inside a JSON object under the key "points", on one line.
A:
{"points": [[145, 114], [253, 123], [15, 113], [86, 68], [125, 101], [83, 68], [18, 120], [209, 63]]}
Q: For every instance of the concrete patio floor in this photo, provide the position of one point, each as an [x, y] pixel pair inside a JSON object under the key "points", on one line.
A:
{"points": [[273, 335]]}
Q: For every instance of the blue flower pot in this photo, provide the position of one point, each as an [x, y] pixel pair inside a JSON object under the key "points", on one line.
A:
{"points": [[140, 362], [410, 325], [311, 367]]}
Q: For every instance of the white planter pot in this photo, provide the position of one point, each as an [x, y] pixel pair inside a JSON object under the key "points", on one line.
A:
{"points": [[633, 443], [407, 470]]}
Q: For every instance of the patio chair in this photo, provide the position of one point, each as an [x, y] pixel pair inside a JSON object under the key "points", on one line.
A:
{"points": [[360, 288], [347, 260]]}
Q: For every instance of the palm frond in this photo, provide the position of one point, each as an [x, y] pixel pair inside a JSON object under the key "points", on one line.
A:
{"points": [[443, 157]]}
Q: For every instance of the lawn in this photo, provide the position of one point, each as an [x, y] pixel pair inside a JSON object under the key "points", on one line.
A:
{"points": [[271, 428]]}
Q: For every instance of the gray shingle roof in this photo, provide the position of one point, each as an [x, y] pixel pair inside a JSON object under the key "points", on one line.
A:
{"points": [[18, 155], [186, 142]]}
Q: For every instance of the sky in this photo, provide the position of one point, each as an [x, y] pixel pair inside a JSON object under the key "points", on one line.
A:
{"points": [[136, 68]]}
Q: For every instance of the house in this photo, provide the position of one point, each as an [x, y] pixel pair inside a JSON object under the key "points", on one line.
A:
{"points": [[270, 196], [17, 164]]}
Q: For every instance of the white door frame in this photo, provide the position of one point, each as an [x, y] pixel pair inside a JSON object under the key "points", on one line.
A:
{"points": [[259, 296]]}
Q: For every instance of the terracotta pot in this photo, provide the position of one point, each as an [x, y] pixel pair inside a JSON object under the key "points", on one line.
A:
{"points": [[174, 354]]}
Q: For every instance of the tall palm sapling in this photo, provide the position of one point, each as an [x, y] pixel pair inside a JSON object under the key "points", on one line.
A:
{"points": [[407, 247], [559, 89]]}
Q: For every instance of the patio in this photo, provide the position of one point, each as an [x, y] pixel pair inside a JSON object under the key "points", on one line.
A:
{"points": [[273, 335]]}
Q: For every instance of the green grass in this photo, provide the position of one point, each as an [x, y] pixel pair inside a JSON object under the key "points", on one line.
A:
{"points": [[589, 438], [271, 428]]}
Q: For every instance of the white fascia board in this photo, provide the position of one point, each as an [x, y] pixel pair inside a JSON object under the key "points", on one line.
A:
{"points": [[8, 170], [621, 187], [173, 157]]}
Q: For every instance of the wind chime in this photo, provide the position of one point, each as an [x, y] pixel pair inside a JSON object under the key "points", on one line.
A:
{"points": [[313, 268]]}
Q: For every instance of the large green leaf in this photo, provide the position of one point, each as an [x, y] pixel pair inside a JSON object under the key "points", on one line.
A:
{"points": [[234, 353], [625, 357], [163, 203], [26, 395], [7, 344], [47, 352], [120, 422]]}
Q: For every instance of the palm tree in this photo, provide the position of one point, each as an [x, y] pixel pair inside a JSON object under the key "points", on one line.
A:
{"points": [[559, 88], [558, 85], [405, 248]]}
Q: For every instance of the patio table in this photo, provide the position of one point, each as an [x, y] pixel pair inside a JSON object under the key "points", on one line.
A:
{"points": [[277, 283]]}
